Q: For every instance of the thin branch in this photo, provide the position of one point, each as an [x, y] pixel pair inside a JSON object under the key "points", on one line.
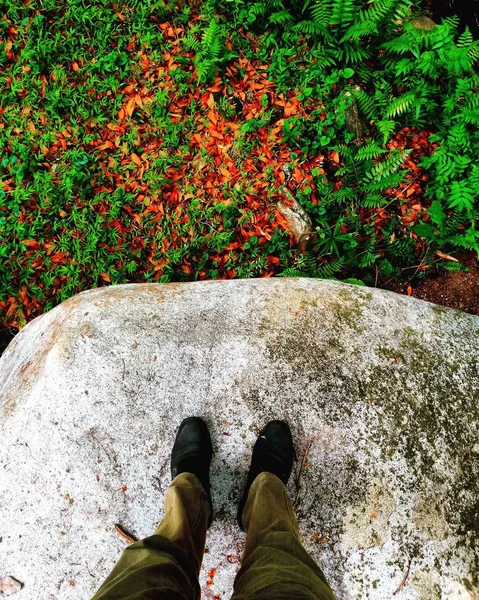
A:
{"points": [[404, 579], [303, 460], [126, 536]]}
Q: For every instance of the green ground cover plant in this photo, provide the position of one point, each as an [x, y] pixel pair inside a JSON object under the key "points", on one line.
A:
{"points": [[149, 142]]}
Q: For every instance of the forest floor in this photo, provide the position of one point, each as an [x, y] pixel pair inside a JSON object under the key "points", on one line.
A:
{"points": [[182, 142]]}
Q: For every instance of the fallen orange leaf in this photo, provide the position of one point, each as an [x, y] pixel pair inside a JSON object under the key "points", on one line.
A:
{"points": [[31, 244], [211, 101], [106, 145], [130, 107], [446, 256]]}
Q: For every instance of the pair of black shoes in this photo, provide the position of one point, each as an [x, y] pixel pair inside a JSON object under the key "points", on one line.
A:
{"points": [[273, 452]]}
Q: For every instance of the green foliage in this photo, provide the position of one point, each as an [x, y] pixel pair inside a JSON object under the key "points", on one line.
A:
{"points": [[332, 58], [423, 76], [308, 266], [210, 49]]}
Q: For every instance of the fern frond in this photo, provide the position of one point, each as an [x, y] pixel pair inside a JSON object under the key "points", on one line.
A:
{"points": [[321, 13], [449, 266], [370, 150], [374, 200], [345, 151], [210, 34], [366, 103], [465, 39], [470, 116], [258, 9], [404, 66], [461, 196], [409, 40], [190, 42], [377, 10], [386, 128], [281, 17], [468, 240], [203, 67], [400, 105], [383, 184], [291, 272], [452, 22], [308, 27], [355, 53], [342, 12], [358, 30], [387, 167], [368, 257], [328, 270]]}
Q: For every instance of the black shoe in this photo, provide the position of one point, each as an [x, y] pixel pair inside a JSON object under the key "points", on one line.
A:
{"points": [[192, 452], [273, 452]]}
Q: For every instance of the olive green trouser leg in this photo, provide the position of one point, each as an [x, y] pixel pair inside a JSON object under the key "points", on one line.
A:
{"points": [[166, 564], [275, 565]]}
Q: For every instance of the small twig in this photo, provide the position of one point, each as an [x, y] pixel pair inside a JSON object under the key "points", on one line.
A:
{"points": [[416, 271], [394, 198], [126, 536], [303, 460], [417, 267], [404, 579], [124, 368]]}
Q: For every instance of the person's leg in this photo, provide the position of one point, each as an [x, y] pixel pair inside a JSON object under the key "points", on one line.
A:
{"points": [[275, 564], [166, 565]]}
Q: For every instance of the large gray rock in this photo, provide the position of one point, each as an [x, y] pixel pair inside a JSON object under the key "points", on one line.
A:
{"points": [[381, 391]]}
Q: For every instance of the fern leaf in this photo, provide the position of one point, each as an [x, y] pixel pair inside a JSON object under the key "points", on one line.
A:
{"points": [[390, 165], [386, 128], [328, 270], [281, 17], [358, 30], [461, 196], [465, 39], [342, 12], [400, 105], [366, 103], [371, 149], [321, 13], [290, 272], [374, 200]]}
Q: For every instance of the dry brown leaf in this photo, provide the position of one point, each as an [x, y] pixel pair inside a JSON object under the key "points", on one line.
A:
{"points": [[446, 256], [136, 159], [9, 586], [130, 107]]}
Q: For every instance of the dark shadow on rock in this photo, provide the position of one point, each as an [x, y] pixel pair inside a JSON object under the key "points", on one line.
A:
{"points": [[6, 336]]}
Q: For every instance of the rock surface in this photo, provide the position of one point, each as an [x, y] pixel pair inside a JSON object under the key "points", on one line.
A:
{"points": [[381, 391]]}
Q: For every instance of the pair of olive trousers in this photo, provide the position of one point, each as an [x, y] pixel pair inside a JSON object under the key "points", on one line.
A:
{"points": [[166, 565]]}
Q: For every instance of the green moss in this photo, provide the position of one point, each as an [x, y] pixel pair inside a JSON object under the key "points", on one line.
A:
{"points": [[420, 390]]}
